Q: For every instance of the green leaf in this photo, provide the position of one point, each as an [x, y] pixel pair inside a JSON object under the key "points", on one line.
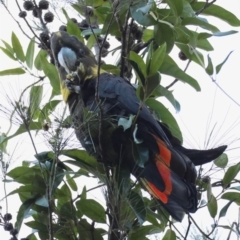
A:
{"points": [[140, 233], [205, 45], [31, 237], [187, 10], [80, 156], [169, 67], [19, 172], [137, 59], [217, 11], [205, 35], [83, 160], [169, 235], [165, 116], [152, 82], [209, 191], [90, 32], [36, 93], [219, 66], [232, 196], [123, 180], [222, 34], [223, 211], [86, 233], [28, 188], [231, 174], [209, 69], [221, 161], [145, 9], [73, 29], [13, 71], [147, 35], [22, 129], [92, 209], [65, 190], [192, 54], [8, 53], [84, 193], [236, 188], [161, 91], [186, 36], [140, 93], [8, 46], [200, 22], [38, 60], [149, 51], [182, 36], [157, 59], [163, 33], [42, 201], [3, 143], [51, 72], [143, 19], [37, 225], [30, 53], [176, 6], [111, 68], [23, 212], [138, 206], [90, 42], [212, 206], [71, 182], [152, 217], [67, 210], [17, 48]]}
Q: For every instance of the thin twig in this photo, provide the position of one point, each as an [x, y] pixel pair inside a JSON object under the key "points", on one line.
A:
{"points": [[123, 30], [25, 22], [201, 231], [141, 46], [40, 18], [50, 229], [225, 92], [90, 189], [189, 225], [41, 79], [207, 4]]}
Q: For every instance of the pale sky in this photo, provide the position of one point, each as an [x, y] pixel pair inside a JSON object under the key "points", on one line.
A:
{"points": [[195, 107]]}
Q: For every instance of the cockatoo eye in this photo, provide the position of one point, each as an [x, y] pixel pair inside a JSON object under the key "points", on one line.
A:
{"points": [[81, 53], [67, 59]]}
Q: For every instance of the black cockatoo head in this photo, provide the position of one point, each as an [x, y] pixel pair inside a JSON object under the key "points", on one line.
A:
{"points": [[72, 57], [69, 52]]}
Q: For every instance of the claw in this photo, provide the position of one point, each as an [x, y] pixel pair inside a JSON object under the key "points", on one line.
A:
{"points": [[71, 87], [71, 76]]}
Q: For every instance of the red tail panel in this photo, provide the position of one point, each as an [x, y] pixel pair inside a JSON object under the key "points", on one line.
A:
{"points": [[166, 175], [155, 192], [164, 152]]}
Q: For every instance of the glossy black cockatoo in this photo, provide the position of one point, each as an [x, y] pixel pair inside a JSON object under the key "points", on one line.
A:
{"points": [[168, 172]]}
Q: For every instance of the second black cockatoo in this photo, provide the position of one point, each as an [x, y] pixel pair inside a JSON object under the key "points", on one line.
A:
{"points": [[168, 172]]}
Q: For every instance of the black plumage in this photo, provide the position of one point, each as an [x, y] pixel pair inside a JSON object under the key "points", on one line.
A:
{"points": [[168, 171]]}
